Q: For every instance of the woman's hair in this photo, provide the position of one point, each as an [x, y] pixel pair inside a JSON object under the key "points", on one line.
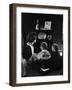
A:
{"points": [[31, 37], [44, 45]]}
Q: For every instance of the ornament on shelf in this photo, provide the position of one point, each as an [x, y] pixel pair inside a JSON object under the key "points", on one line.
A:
{"points": [[47, 25], [37, 25]]}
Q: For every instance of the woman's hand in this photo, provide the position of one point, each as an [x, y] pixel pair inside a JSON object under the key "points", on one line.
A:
{"points": [[33, 57]]}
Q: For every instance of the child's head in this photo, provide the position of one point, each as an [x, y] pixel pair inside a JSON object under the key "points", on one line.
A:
{"points": [[43, 45], [55, 48]]}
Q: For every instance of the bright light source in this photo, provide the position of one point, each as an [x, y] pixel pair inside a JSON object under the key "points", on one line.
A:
{"points": [[61, 53]]}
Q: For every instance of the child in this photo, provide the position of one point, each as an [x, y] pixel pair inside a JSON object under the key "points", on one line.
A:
{"points": [[44, 54], [44, 57]]}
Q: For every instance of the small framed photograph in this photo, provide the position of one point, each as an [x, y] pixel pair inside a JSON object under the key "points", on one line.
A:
{"points": [[39, 44]]}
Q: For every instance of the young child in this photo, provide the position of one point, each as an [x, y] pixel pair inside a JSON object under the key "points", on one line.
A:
{"points": [[44, 54], [44, 57]]}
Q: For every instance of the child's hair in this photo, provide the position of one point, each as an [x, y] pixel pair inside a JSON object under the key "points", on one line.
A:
{"points": [[55, 47], [44, 45]]}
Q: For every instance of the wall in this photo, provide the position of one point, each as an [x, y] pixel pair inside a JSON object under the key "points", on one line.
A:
{"points": [[4, 44]]}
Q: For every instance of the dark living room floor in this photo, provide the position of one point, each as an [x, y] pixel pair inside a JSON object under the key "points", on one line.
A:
{"points": [[32, 72]]}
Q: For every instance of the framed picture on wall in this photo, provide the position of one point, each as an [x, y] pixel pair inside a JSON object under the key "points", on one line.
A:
{"points": [[39, 44]]}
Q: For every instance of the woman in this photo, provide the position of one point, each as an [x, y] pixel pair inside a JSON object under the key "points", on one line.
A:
{"points": [[28, 52]]}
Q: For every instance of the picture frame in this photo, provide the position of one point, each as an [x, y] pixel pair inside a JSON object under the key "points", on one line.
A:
{"points": [[51, 23]]}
